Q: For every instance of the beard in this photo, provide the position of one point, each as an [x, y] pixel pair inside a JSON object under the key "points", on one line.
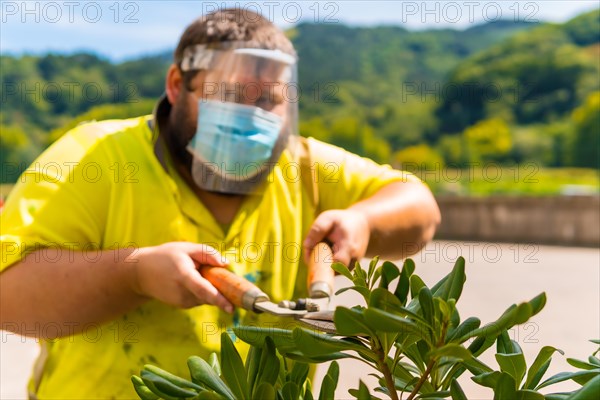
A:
{"points": [[180, 127]]}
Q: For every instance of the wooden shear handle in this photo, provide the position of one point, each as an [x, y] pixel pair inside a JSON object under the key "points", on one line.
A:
{"points": [[242, 293], [238, 290], [320, 274]]}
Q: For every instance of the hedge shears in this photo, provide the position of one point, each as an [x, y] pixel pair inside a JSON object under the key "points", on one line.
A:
{"points": [[311, 311]]}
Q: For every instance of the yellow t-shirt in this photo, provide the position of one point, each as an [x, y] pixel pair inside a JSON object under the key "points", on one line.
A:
{"points": [[101, 187]]}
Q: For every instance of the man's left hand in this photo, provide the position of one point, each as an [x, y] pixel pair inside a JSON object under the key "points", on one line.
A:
{"points": [[346, 230]]}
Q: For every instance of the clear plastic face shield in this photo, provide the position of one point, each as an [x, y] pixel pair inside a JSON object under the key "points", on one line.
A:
{"points": [[247, 115]]}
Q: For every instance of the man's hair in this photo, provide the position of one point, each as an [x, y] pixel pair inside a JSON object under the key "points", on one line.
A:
{"points": [[233, 24]]}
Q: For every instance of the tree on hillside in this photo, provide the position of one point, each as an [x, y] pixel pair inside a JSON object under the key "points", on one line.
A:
{"points": [[488, 141], [538, 76], [586, 145]]}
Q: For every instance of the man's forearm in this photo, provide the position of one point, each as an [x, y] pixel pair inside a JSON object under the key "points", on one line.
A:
{"points": [[70, 291], [402, 217]]}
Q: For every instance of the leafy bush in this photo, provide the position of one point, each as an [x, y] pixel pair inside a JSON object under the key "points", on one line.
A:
{"points": [[410, 335], [265, 375]]}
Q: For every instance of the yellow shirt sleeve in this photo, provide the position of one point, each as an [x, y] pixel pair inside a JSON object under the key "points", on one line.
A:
{"points": [[59, 203], [344, 178]]}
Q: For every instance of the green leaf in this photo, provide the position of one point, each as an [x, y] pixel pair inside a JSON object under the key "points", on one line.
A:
{"points": [[363, 391], [403, 287], [387, 322], [512, 316], [268, 370], [416, 284], [539, 375], [451, 350], [455, 316], [589, 391], [581, 364], [407, 386], [174, 379], [252, 365], [443, 286], [150, 385], [426, 302], [558, 396], [512, 364], [424, 349], [487, 379], [376, 276], [341, 269], [435, 395], [334, 373], [475, 366], [565, 376], [456, 391], [504, 345], [505, 388], [480, 344], [384, 300], [442, 309], [256, 336], [359, 272], [389, 272], [400, 371], [372, 267], [203, 374], [301, 357], [364, 292], [290, 391], [392, 306], [233, 371], [299, 373], [457, 281], [265, 391], [308, 391], [162, 387], [351, 322], [538, 303], [467, 326], [141, 389], [585, 378], [541, 363], [327, 389], [315, 344], [413, 354], [213, 360], [529, 395], [208, 395], [439, 287], [594, 360]]}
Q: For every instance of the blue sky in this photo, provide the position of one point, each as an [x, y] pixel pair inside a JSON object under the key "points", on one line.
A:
{"points": [[125, 29]]}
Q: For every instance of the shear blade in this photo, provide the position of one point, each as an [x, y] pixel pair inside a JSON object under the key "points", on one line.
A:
{"points": [[272, 308], [321, 325], [326, 315]]}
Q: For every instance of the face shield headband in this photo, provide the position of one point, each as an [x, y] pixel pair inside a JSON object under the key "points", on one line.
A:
{"points": [[247, 115]]}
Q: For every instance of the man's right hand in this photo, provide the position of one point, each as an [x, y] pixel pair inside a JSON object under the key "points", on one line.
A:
{"points": [[169, 273]]}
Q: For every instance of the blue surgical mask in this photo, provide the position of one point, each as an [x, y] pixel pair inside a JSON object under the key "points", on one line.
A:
{"points": [[234, 136]]}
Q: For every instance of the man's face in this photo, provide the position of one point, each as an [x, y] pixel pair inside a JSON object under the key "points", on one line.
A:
{"points": [[255, 85]]}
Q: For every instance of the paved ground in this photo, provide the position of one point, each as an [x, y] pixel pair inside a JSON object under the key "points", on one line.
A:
{"points": [[497, 276]]}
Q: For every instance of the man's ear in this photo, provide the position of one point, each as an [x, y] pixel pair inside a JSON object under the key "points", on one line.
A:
{"points": [[174, 83]]}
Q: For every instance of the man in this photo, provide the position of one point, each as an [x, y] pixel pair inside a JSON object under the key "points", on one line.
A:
{"points": [[101, 262]]}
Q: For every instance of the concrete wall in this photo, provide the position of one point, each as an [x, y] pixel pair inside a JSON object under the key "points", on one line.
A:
{"points": [[561, 220]]}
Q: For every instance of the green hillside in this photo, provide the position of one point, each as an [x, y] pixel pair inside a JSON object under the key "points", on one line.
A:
{"points": [[398, 96]]}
